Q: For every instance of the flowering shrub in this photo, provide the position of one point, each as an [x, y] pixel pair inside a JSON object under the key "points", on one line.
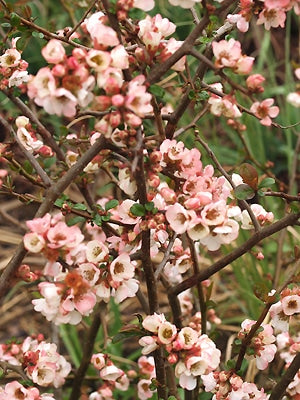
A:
{"points": [[132, 219]]}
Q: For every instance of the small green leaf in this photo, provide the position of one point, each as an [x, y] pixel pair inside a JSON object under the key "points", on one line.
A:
{"points": [[266, 182], [27, 167], [210, 304], [6, 25], [149, 206], [126, 334], [61, 200], [76, 220], [138, 210], [106, 218], [111, 204], [97, 220], [203, 95], [157, 91], [80, 207], [244, 192], [230, 364], [38, 35], [14, 19]]}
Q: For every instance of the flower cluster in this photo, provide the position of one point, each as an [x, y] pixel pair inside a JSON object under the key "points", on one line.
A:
{"points": [[112, 377], [146, 372], [194, 354], [262, 344], [16, 391], [282, 311], [40, 360], [271, 13], [152, 32], [12, 68], [228, 386]]}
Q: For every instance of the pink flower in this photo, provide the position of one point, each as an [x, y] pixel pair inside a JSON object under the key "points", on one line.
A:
{"points": [[166, 332], [137, 99], [272, 18], [101, 34], [152, 322], [254, 83], [149, 344], [121, 268], [145, 5], [34, 242], [10, 59], [144, 391], [120, 57], [127, 288], [98, 360], [96, 251], [54, 52], [99, 60], [265, 111], [179, 218], [291, 304], [111, 373], [187, 337], [227, 53]]}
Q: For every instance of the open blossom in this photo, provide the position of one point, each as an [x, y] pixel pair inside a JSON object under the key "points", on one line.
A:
{"points": [[179, 218], [227, 53], [137, 99], [271, 17], [265, 111], [53, 52]]}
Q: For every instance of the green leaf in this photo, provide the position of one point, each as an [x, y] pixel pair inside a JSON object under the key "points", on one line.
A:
{"points": [[38, 35], [80, 207], [106, 218], [61, 200], [203, 95], [244, 192], [14, 19], [138, 210], [97, 220], [210, 304], [27, 167], [75, 220], [266, 182], [230, 364], [126, 334], [149, 206], [157, 91], [111, 204], [6, 25]]}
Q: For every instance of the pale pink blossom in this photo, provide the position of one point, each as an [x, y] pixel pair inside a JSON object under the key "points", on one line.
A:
{"points": [[149, 344], [99, 32], [34, 242], [145, 5], [179, 218], [119, 57], [54, 52], [17, 78], [96, 251], [272, 18], [291, 304], [10, 59], [152, 322], [227, 53], [122, 268], [166, 332], [254, 83], [169, 48], [265, 111], [137, 99], [294, 99], [99, 60], [127, 288], [98, 360], [111, 373], [144, 391]]}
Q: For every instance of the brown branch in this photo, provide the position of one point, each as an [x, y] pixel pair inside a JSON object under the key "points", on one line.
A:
{"points": [[287, 378], [88, 346], [73, 30], [290, 219], [5, 366], [282, 195]]}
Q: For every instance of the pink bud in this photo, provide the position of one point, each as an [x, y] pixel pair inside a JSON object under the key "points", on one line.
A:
{"points": [[173, 358], [117, 100]]}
